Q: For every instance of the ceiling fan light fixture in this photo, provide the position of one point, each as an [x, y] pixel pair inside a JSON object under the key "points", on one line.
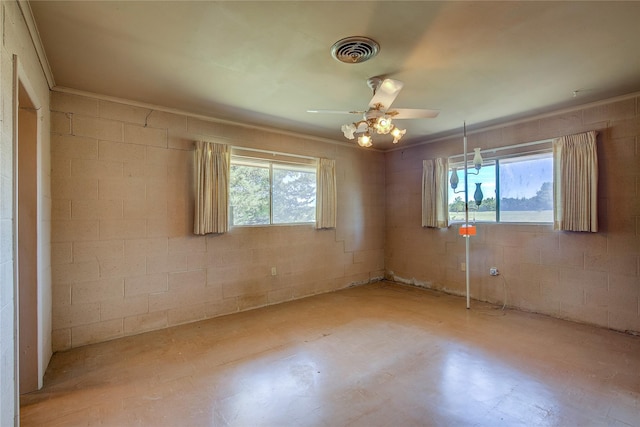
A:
{"points": [[383, 125], [397, 134], [364, 140], [349, 130], [378, 117]]}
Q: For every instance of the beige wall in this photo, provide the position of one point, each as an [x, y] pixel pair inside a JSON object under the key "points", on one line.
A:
{"points": [[592, 278], [17, 41], [124, 257]]}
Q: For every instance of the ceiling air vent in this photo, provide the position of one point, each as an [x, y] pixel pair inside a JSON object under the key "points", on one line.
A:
{"points": [[354, 50]]}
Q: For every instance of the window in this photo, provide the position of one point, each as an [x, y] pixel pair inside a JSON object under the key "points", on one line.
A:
{"points": [[265, 191], [515, 189]]}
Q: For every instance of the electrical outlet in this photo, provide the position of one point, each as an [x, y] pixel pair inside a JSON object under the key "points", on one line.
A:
{"points": [[493, 271], [273, 271], [463, 266]]}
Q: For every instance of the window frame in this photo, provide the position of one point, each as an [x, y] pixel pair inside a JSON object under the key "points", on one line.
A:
{"points": [[267, 160], [491, 157]]}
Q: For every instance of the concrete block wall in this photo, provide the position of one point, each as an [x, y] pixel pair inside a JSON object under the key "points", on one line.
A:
{"points": [[586, 277], [124, 258]]}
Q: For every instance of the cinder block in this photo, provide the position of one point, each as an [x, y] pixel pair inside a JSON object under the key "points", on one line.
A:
{"points": [[75, 230], [96, 168], [123, 267], [145, 209], [245, 287], [60, 123], [97, 209], [145, 322], [122, 189], [60, 167], [146, 284], [197, 261], [61, 209], [93, 127], [621, 110], [188, 281], [97, 291], [159, 156], [225, 306], [98, 250], [76, 104], [61, 253], [75, 272], [280, 295], [174, 123], [61, 294], [66, 316], [122, 112], [188, 244], [73, 188], [173, 298], [522, 132], [73, 147], [166, 263], [96, 332], [192, 313], [122, 228], [119, 151], [179, 142], [624, 320], [246, 302], [221, 274], [158, 227], [149, 246], [120, 308], [61, 339], [142, 135]]}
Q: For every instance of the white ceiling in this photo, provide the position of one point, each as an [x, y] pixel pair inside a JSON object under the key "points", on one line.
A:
{"points": [[267, 63]]}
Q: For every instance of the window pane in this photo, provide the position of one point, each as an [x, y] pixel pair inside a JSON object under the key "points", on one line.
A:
{"points": [[294, 195], [487, 209], [526, 190], [249, 195]]}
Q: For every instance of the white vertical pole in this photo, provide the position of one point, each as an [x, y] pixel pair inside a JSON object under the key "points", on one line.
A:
{"points": [[466, 213]]}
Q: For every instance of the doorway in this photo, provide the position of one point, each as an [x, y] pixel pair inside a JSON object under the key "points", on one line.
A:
{"points": [[27, 241]]}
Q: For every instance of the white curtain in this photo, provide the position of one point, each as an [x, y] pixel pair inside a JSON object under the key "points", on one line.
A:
{"points": [[326, 194], [435, 212], [212, 163], [575, 183]]}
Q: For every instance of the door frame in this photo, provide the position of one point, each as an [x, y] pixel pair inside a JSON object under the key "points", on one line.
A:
{"points": [[20, 78]]}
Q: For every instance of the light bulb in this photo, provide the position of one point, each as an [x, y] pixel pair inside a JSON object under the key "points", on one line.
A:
{"points": [[364, 140], [383, 125], [397, 134]]}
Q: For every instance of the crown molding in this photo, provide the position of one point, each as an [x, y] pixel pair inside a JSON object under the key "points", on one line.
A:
{"points": [[480, 128], [132, 103]]}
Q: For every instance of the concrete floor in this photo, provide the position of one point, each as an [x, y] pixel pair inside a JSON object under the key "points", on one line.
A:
{"points": [[374, 355]]}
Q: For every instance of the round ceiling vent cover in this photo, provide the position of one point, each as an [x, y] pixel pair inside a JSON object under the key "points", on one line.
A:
{"points": [[353, 50]]}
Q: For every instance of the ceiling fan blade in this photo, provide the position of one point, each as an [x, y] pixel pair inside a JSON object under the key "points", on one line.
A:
{"points": [[334, 112], [386, 93], [410, 113]]}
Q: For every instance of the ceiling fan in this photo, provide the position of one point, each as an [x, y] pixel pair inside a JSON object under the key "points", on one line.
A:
{"points": [[379, 116]]}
